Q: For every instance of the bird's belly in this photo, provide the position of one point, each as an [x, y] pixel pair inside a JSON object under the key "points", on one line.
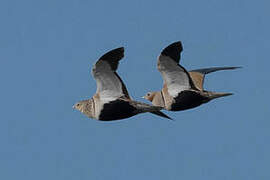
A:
{"points": [[187, 100], [115, 110]]}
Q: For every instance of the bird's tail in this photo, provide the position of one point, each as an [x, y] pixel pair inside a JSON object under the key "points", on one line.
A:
{"points": [[214, 95], [159, 113], [143, 107]]}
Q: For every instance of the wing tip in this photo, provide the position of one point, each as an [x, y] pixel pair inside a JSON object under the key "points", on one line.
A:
{"points": [[173, 51], [121, 49], [177, 44], [237, 67], [214, 69], [117, 53], [231, 67]]}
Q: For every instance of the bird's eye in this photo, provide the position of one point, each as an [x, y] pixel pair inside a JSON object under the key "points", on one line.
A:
{"points": [[77, 105], [148, 94]]}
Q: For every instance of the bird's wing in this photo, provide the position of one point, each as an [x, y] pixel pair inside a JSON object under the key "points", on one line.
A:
{"points": [[198, 75], [197, 78], [213, 69], [175, 77], [109, 84]]}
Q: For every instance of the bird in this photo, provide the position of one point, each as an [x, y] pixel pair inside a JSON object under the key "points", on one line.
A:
{"points": [[112, 100], [181, 89]]}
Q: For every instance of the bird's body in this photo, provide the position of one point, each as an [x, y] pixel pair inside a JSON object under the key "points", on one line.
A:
{"points": [[117, 109], [111, 100], [181, 89]]}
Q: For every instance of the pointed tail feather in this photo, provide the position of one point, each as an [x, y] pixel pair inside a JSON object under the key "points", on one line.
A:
{"points": [[156, 110], [143, 107], [214, 95], [213, 69], [159, 113]]}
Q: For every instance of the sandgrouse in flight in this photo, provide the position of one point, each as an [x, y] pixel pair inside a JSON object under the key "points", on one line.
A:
{"points": [[181, 89], [112, 101]]}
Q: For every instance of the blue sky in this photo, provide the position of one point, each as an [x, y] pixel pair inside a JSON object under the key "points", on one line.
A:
{"points": [[48, 48]]}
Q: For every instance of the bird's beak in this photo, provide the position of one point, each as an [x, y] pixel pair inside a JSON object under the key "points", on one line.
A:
{"points": [[73, 106], [143, 97]]}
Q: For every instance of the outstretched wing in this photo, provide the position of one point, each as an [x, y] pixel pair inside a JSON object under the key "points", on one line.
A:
{"points": [[198, 75], [109, 84], [175, 77]]}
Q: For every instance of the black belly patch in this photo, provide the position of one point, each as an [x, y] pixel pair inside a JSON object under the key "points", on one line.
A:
{"points": [[116, 110], [187, 100]]}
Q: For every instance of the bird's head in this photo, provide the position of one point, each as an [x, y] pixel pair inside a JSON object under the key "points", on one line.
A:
{"points": [[86, 107], [149, 96], [81, 106]]}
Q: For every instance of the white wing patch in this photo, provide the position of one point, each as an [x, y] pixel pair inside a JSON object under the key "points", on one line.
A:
{"points": [[109, 86], [174, 76]]}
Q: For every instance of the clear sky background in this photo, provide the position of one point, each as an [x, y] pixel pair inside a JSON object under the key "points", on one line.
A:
{"points": [[48, 48]]}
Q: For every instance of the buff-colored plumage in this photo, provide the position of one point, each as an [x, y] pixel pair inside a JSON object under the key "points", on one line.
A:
{"points": [[181, 89], [111, 100]]}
